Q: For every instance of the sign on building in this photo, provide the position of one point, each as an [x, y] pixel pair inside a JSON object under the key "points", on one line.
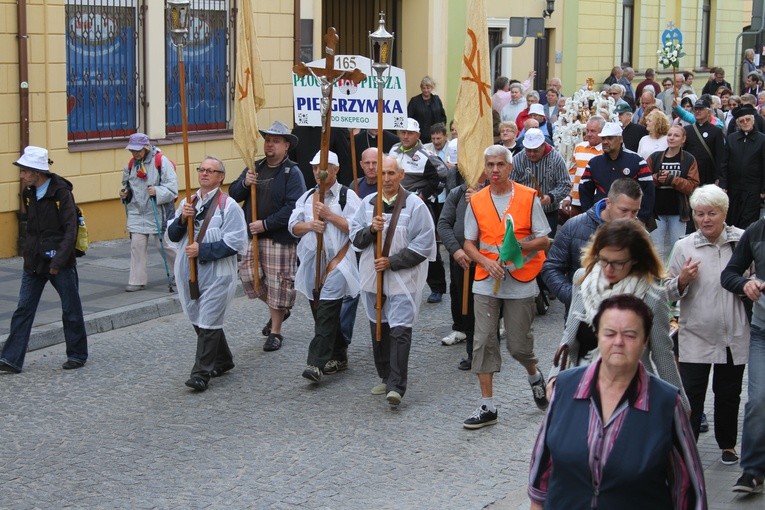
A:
{"points": [[353, 104]]}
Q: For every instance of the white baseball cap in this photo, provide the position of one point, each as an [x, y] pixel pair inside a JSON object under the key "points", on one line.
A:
{"points": [[611, 129], [533, 138], [34, 158], [411, 125], [331, 158]]}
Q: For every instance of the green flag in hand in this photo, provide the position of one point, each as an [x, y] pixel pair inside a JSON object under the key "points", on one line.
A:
{"points": [[511, 250]]}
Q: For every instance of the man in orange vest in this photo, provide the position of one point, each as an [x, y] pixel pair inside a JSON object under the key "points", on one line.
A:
{"points": [[499, 284]]}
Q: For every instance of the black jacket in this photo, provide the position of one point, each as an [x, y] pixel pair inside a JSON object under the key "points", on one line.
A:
{"points": [[744, 167], [709, 169], [631, 134], [51, 227], [276, 200], [426, 114]]}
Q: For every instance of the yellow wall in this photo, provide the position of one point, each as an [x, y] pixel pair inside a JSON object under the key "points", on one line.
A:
{"points": [[96, 174], [598, 39]]}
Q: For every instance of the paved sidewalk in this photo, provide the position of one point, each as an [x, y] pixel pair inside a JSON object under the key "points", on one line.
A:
{"points": [[439, 404], [103, 273]]}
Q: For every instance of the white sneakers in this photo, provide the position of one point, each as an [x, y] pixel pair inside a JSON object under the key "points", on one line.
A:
{"points": [[454, 337]]}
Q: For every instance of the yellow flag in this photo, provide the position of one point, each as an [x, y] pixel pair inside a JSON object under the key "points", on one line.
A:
{"points": [[250, 91], [472, 113]]}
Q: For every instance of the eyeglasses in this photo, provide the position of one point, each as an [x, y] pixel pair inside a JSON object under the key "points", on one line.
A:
{"points": [[618, 265], [202, 170]]}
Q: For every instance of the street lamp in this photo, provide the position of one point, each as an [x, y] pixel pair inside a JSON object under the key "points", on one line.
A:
{"points": [[380, 50], [178, 16], [549, 10]]}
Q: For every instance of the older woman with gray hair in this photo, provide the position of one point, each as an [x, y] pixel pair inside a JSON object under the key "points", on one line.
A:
{"points": [[714, 328]]}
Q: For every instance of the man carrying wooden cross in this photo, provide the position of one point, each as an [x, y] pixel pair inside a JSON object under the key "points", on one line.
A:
{"points": [[409, 242], [339, 274]]}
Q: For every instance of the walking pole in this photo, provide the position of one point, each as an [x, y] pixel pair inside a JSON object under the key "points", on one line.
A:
{"points": [[353, 163], [153, 201]]}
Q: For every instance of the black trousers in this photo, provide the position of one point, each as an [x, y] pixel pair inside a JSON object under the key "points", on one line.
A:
{"points": [[726, 385], [212, 352], [463, 323], [436, 273], [391, 355], [328, 340]]}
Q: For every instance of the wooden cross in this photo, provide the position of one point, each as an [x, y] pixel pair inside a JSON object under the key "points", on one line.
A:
{"points": [[327, 77]]}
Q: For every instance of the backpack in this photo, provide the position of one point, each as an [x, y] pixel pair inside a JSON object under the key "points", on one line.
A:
{"points": [[167, 210], [342, 199], [81, 245]]}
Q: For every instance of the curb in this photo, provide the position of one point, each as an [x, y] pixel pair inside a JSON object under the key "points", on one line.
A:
{"points": [[100, 322]]}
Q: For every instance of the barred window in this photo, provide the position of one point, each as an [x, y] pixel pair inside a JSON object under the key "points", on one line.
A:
{"points": [[207, 66], [108, 66], [101, 69]]}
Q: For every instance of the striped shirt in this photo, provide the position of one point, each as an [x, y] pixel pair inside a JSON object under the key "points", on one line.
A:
{"points": [[684, 473], [547, 176], [583, 153]]}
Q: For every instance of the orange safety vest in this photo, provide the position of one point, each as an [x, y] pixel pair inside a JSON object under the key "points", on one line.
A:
{"points": [[491, 229]]}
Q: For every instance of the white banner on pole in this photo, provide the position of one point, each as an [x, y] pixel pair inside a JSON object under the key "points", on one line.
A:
{"points": [[353, 104]]}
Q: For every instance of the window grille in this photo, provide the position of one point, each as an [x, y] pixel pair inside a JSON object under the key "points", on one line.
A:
{"points": [[206, 61], [101, 69]]}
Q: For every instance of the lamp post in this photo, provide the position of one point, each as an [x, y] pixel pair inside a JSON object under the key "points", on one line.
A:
{"points": [[380, 50], [178, 16]]}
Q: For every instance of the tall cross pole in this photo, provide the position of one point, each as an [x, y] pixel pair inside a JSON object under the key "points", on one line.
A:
{"points": [[327, 77]]}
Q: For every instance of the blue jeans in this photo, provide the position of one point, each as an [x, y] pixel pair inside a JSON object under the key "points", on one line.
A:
{"points": [[67, 285], [753, 434], [348, 317], [668, 230]]}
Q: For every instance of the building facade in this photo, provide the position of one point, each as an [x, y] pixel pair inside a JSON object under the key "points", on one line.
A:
{"points": [[78, 76]]}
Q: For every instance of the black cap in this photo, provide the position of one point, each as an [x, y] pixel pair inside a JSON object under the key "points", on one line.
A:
{"points": [[702, 103], [744, 109]]}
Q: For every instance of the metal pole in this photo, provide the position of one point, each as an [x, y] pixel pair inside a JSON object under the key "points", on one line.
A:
{"points": [[498, 47]]}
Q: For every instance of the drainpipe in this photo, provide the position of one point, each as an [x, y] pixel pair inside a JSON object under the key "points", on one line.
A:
{"points": [[23, 39], [296, 30]]}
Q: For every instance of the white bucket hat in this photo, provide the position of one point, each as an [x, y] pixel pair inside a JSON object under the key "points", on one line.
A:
{"points": [[34, 158]]}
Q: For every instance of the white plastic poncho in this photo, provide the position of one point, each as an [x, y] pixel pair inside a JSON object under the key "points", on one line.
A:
{"points": [[140, 211], [217, 279], [344, 279], [403, 288]]}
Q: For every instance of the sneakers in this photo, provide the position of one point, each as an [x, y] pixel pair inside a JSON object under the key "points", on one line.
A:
{"points": [[481, 417], [435, 297], [540, 393], [267, 328], [312, 373], [197, 384], [394, 398], [273, 342], [748, 484], [729, 457], [465, 364], [704, 427], [379, 389], [334, 366], [72, 364], [454, 337]]}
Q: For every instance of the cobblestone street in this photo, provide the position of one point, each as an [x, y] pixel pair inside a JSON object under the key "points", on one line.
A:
{"points": [[124, 432]]}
